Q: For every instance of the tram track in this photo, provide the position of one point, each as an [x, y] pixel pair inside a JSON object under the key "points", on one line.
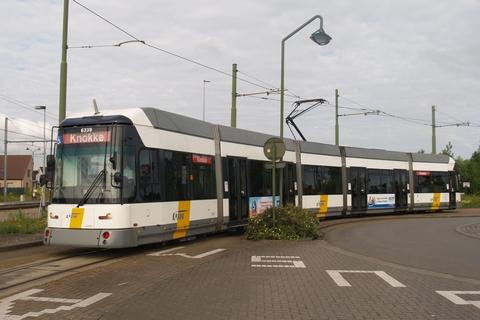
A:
{"points": [[42, 270]]}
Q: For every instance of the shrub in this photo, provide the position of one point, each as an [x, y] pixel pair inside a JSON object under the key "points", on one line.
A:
{"points": [[291, 223]]}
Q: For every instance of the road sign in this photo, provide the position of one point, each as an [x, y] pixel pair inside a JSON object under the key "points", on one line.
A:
{"points": [[274, 149]]}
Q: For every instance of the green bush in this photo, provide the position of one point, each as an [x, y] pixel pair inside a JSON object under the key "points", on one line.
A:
{"points": [[291, 223], [470, 201], [21, 223]]}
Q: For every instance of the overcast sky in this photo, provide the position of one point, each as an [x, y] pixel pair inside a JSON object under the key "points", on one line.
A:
{"points": [[401, 57]]}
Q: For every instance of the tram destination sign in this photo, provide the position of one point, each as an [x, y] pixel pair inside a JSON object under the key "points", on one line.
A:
{"points": [[87, 137]]}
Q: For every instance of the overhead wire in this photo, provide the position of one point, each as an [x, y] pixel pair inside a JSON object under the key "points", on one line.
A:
{"points": [[287, 92], [20, 133], [265, 98], [25, 106], [164, 50], [29, 123], [408, 119]]}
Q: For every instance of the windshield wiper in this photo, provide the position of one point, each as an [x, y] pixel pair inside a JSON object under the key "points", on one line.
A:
{"points": [[87, 194]]}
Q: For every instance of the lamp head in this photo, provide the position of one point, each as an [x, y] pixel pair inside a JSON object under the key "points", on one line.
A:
{"points": [[320, 37], [40, 107]]}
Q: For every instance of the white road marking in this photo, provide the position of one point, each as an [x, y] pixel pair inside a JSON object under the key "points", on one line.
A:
{"points": [[277, 259], [165, 253], [336, 275], [453, 297], [7, 303]]}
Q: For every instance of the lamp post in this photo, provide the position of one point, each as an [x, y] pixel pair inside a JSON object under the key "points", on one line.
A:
{"points": [[33, 150], [204, 82], [320, 38], [44, 108]]}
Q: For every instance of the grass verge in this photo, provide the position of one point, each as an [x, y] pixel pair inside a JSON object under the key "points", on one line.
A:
{"points": [[470, 201], [20, 223]]}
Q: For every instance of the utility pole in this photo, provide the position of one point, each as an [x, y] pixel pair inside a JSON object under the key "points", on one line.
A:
{"points": [[233, 112], [204, 82], [434, 138], [5, 162], [336, 119], [63, 66]]}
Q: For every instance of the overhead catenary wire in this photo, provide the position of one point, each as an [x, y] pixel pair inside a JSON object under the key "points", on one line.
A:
{"points": [[265, 98], [20, 133], [25, 106], [13, 120], [152, 46], [423, 122]]}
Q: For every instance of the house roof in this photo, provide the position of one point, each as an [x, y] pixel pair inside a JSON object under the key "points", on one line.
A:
{"points": [[17, 165]]}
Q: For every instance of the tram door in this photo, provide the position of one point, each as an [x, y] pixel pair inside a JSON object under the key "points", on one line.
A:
{"points": [[401, 193], [358, 180], [453, 185], [289, 174], [238, 196]]}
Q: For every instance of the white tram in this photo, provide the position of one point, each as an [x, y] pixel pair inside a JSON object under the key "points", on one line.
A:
{"points": [[138, 176]]}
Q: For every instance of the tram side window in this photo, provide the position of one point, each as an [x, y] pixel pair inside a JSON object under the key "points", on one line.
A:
{"points": [[149, 186], [429, 182], [260, 179], [321, 180], [380, 181], [177, 173], [202, 177]]}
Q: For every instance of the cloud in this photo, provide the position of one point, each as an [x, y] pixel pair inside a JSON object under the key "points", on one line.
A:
{"points": [[398, 56]]}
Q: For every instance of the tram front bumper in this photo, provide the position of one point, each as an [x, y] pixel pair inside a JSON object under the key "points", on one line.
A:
{"points": [[91, 238]]}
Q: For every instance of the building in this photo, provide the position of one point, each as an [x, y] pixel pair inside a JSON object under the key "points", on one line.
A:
{"points": [[19, 173]]}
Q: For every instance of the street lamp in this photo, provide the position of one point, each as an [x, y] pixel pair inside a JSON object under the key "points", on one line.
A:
{"points": [[204, 82], [319, 37], [44, 108], [33, 150]]}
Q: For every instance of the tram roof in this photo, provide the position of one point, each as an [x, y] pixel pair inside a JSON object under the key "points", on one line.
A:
{"points": [[178, 123]]}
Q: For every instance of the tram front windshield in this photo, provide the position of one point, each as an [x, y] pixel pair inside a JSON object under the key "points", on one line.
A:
{"points": [[87, 160]]}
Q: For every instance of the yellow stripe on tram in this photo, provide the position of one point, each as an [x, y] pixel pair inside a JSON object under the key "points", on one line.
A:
{"points": [[322, 211], [183, 220], [436, 201], [76, 218]]}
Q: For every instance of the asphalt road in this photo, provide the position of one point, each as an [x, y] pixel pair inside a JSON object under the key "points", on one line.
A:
{"points": [[430, 244]]}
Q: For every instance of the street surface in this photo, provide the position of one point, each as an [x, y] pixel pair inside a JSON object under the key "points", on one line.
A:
{"points": [[385, 268], [431, 244]]}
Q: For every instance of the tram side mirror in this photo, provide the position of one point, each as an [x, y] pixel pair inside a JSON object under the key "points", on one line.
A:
{"points": [[113, 161], [43, 180], [117, 178], [49, 171]]}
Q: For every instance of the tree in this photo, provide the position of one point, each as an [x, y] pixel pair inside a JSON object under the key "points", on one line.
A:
{"points": [[469, 171], [448, 150]]}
